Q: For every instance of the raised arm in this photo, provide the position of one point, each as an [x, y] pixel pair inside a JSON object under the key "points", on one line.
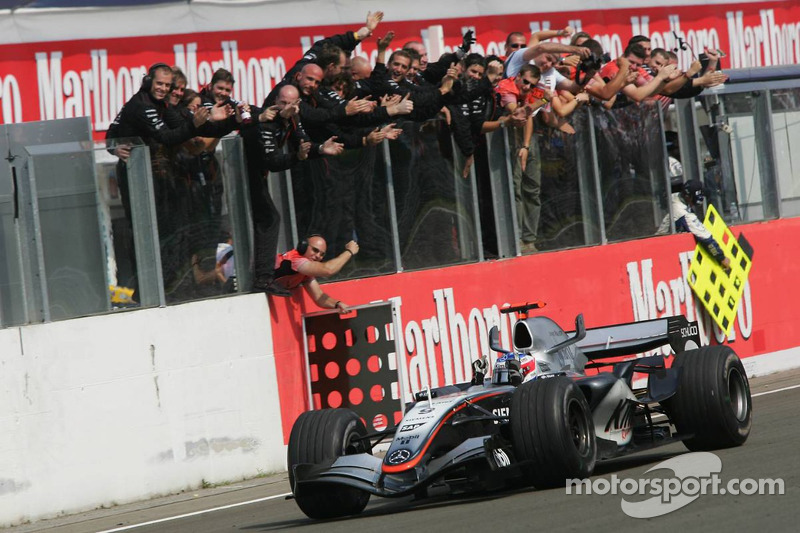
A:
{"points": [[543, 35], [318, 269], [553, 48], [373, 19], [638, 94]]}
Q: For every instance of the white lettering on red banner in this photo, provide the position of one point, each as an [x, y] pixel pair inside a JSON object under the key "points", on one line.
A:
{"points": [[10, 101], [94, 78]]}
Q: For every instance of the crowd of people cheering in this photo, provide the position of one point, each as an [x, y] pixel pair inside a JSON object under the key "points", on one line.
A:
{"points": [[331, 103]]}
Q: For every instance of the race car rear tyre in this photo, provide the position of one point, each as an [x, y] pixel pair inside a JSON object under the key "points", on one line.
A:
{"points": [[320, 437], [712, 401], [552, 428]]}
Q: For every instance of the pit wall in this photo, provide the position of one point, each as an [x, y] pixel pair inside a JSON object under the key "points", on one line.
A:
{"points": [[111, 409], [444, 314]]}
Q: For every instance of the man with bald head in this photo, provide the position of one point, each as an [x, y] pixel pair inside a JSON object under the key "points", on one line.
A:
{"points": [[301, 266], [360, 68], [309, 79], [315, 111], [277, 125], [325, 113], [360, 71]]}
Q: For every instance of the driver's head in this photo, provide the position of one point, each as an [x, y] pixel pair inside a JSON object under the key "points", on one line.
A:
{"points": [[693, 192]]}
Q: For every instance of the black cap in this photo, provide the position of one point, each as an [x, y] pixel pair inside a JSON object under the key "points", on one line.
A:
{"points": [[694, 191]]}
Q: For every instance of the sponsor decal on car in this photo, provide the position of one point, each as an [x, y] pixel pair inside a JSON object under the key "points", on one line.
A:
{"points": [[621, 417], [399, 456], [500, 458]]}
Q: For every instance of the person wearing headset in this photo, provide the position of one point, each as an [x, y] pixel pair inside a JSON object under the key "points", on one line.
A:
{"points": [[147, 116], [303, 265]]}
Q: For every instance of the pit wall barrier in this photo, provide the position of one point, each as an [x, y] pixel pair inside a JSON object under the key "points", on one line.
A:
{"points": [[444, 314], [110, 409]]}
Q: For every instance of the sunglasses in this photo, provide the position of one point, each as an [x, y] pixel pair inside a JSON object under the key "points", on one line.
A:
{"points": [[515, 46], [528, 83]]}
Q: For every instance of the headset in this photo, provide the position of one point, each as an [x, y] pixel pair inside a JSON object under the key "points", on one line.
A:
{"points": [[147, 80], [302, 246]]}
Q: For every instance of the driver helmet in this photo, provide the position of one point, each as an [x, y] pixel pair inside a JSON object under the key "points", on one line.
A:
{"points": [[694, 192], [507, 371]]}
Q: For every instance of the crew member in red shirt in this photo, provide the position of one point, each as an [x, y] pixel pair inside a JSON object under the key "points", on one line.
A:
{"points": [[302, 266]]}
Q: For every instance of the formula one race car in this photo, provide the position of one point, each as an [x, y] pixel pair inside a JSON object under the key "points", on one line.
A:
{"points": [[537, 419]]}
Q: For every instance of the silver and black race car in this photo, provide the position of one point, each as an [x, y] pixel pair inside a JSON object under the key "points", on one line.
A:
{"points": [[538, 418]]}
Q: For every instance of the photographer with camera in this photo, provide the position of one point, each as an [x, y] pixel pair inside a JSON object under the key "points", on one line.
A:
{"points": [[586, 75], [630, 93], [692, 82]]}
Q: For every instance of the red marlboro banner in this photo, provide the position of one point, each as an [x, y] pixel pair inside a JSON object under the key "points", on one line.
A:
{"points": [[49, 80]]}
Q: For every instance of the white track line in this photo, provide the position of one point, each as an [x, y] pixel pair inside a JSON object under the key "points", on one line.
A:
{"points": [[774, 391], [160, 520]]}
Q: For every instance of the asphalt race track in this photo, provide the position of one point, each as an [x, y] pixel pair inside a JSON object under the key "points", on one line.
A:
{"points": [[770, 452]]}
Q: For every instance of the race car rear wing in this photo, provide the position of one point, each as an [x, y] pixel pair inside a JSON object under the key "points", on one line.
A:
{"points": [[638, 337]]}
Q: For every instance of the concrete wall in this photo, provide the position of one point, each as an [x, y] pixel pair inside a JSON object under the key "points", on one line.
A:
{"points": [[109, 409]]}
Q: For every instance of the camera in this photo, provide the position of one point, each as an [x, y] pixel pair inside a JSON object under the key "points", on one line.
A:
{"points": [[594, 62], [704, 59], [591, 64]]}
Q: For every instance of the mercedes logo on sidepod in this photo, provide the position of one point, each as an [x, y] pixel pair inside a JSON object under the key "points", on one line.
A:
{"points": [[399, 456]]}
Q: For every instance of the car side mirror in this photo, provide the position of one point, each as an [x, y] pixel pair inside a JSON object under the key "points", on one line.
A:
{"points": [[494, 340], [580, 333]]}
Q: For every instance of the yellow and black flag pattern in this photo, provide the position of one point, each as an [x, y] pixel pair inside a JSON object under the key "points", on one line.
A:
{"points": [[719, 290]]}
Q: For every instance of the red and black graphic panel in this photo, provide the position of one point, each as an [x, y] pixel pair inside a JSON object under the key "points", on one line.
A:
{"points": [[352, 363]]}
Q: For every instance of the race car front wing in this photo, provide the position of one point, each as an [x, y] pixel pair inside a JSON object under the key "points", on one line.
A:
{"points": [[364, 471]]}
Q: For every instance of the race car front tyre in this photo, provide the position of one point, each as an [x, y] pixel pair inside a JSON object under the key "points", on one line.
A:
{"points": [[552, 430], [320, 437], [712, 401]]}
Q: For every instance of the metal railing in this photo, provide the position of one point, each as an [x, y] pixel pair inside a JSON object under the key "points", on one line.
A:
{"points": [[69, 248]]}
